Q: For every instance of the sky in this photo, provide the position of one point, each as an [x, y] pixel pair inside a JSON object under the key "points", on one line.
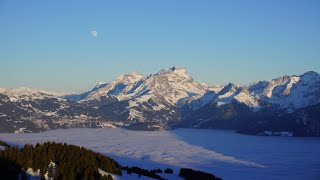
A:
{"points": [[71, 45]]}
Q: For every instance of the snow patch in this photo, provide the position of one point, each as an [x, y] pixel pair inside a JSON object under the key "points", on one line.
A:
{"points": [[21, 130], [52, 167], [33, 175], [135, 114]]}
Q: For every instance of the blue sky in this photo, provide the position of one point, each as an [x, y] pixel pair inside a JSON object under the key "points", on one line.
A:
{"points": [[47, 44]]}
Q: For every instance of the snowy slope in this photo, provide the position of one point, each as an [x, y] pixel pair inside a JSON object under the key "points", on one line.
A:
{"points": [[120, 88], [244, 96], [199, 101]]}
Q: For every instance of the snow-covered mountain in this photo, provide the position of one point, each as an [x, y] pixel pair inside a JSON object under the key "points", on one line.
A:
{"points": [[152, 98], [289, 92], [228, 94], [167, 98], [258, 105], [173, 84], [30, 110]]}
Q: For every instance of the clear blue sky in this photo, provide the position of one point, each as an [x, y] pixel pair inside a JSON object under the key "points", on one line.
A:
{"points": [[47, 44]]}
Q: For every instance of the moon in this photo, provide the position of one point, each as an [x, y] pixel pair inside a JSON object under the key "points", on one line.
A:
{"points": [[94, 33]]}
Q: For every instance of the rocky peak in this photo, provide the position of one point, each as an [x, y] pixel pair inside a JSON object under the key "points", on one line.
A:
{"points": [[281, 80], [176, 70], [229, 88]]}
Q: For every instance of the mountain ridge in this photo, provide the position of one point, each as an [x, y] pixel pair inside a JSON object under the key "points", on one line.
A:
{"points": [[168, 98]]}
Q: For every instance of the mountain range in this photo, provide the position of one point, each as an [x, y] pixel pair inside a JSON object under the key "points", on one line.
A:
{"points": [[288, 105]]}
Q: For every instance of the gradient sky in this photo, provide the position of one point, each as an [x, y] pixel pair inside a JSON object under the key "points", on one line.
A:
{"points": [[51, 44]]}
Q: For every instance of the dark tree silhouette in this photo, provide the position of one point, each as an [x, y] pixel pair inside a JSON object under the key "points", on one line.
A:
{"points": [[72, 162]]}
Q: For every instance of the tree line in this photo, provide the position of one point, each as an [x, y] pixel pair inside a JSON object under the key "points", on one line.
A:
{"points": [[72, 162], [190, 174]]}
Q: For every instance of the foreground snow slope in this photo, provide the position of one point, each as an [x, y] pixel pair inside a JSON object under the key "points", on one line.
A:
{"points": [[223, 153]]}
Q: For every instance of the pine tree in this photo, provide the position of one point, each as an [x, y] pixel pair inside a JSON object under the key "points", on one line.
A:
{"points": [[110, 177], [50, 172]]}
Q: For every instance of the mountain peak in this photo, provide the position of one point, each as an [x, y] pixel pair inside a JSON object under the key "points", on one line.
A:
{"points": [[134, 74], [178, 68], [310, 73], [310, 76], [174, 70], [232, 85], [229, 88]]}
